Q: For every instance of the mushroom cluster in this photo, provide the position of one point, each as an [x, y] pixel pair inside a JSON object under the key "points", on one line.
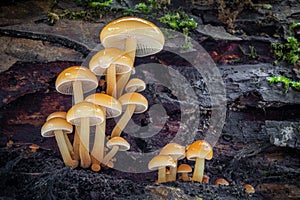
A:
{"points": [[168, 157], [123, 39]]}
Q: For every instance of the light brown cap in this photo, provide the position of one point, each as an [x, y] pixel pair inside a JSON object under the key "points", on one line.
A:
{"points": [[64, 81], [249, 188], [221, 181], [57, 114], [112, 105], [149, 37], [161, 161], [184, 168], [118, 141], [134, 98], [173, 149], [135, 85], [56, 124], [199, 149], [85, 110], [106, 57]]}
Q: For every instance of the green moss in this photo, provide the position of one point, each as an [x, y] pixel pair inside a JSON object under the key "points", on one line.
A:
{"points": [[179, 21], [286, 82]]}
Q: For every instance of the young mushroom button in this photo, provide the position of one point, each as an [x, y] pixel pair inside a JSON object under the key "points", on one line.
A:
{"points": [[58, 127], [111, 62], [160, 163], [132, 103], [115, 144], [111, 108], [184, 169], [137, 36], [84, 115], [199, 151]]}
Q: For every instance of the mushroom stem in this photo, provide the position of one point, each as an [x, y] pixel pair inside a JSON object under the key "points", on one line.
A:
{"points": [[173, 171], [130, 48], [111, 88], [185, 177], [84, 143], [63, 148], [110, 155], [199, 170], [69, 145], [123, 121], [97, 152], [162, 175], [77, 91], [76, 144]]}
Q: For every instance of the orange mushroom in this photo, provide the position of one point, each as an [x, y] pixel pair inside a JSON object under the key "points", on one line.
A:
{"points": [[221, 181], [160, 162], [184, 169]]}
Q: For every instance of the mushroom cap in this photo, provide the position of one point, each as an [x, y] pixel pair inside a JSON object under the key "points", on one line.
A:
{"points": [[134, 98], [175, 150], [221, 181], [135, 85], [56, 124], [34, 147], [184, 168], [106, 57], [199, 149], [149, 37], [85, 110], [118, 141], [57, 114], [64, 81], [112, 105], [249, 188], [161, 161]]}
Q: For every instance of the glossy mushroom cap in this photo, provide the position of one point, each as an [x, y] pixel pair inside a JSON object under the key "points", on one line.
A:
{"points": [[85, 110], [161, 161], [106, 57], [149, 37], [199, 149], [56, 124], [184, 168], [120, 142], [112, 105], [135, 85], [221, 181], [173, 149], [134, 98], [57, 114], [64, 81]]}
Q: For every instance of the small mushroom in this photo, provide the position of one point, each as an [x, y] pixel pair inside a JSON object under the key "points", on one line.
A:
{"points": [[199, 151], [177, 152], [132, 103], [111, 62], [34, 148], [136, 36], [115, 144], [111, 108], [205, 179], [221, 181], [58, 127], [84, 115], [184, 169], [135, 85], [160, 163], [249, 189]]}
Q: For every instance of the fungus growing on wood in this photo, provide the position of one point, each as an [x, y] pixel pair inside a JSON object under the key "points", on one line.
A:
{"points": [[199, 151], [177, 152], [58, 127], [111, 62], [111, 108], [138, 37], [184, 169], [85, 114], [160, 163], [132, 103]]}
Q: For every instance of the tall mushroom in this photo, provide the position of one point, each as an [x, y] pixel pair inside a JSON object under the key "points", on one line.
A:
{"points": [[135, 85], [76, 81], [115, 144], [111, 62], [177, 152], [160, 163], [111, 108], [132, 102], [199, 151], [85, 114], [58, 127], [137, 36]]}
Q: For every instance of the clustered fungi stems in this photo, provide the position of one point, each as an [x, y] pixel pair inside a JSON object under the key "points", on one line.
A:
{"points": [[116, 132], [111, 81], [162, 175], [69, 145], [173, 171], [110, 155], [76, 143], [84, 143], [199, 170]]}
